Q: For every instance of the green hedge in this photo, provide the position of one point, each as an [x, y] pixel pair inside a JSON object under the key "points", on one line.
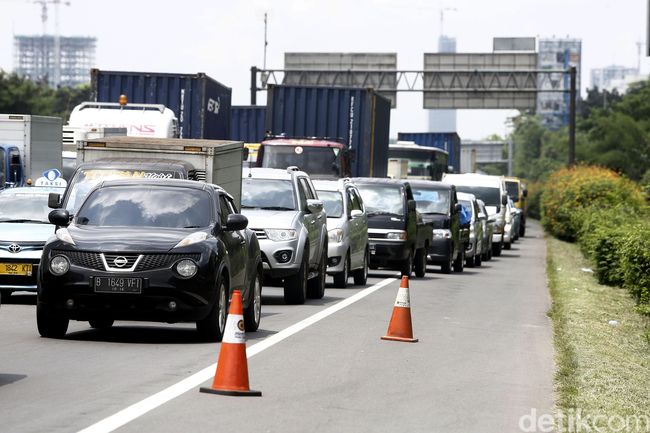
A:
{"points": [[635, 264]]}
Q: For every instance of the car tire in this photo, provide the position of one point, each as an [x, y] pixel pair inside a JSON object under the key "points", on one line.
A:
{"points": [[341, 278], [407, 265], [522, 231], [446, 267], [101, 323], [421, 262], [316, 286], [507, 246], [459, 263], [361, 275], [496, 249], [48, 325], [295, 286], [478, 260], [253, 313], [212, 327]]}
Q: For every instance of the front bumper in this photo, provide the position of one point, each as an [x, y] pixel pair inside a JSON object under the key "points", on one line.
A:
{"points": [[385, 253], [336, 254], [20, 282], [440, 250], [272, 257]]}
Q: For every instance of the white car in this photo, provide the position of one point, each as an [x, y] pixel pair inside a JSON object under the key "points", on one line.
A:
{"points": [[347, 225]]}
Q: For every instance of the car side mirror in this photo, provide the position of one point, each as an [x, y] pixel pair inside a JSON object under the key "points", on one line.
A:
{"points": [[236, 221], [458, 207], [411, 205], [314, 206], [491, 221], [59, 217], [525, 193], [504, 200], [245, 152], [355, 213], [54, 200]]}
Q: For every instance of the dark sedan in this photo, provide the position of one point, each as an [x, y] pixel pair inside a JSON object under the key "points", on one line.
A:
{"points": [[162, 250]]}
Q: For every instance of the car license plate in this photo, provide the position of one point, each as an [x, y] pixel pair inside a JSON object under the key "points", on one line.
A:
{"points": [[16, 269], [117, 285], [373, 249]]}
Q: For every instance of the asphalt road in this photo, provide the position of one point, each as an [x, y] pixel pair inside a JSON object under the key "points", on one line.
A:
{"points": [[484, 359]]}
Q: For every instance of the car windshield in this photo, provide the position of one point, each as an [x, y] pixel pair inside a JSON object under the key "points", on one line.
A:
{"points": [[170, 207], [431, 200], [86, 179], [382, 199], [22, 208], [513, 190], [332, 202], [490, 196], [267, 194], [312, 159]]}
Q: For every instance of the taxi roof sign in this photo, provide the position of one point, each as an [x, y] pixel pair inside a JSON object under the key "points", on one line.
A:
{"points": [[51, 177]]}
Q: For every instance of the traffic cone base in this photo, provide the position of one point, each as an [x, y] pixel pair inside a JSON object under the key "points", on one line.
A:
{"points": [[400, 328], [231, 377]]}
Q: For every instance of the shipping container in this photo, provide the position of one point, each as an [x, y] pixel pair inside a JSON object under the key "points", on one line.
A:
{"points": [[247, 123], [201, 104], [358, 116], [449, 141]]}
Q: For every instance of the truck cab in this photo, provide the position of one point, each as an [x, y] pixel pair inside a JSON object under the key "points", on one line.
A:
{"points": [[11, 167], [320, 157]]}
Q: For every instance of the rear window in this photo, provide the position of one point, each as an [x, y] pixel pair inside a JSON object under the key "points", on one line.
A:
{"points": [[432, 200], [490, 196], [513, 190], [382, 199], [332, 202], [274, 194]]}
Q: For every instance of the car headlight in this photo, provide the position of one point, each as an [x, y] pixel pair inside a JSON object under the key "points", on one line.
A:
{"points": [[192, 239], [335, 235], [186, 268], [442, 233], [396, 235], [59, 265], [63, 235], [279, 235]]}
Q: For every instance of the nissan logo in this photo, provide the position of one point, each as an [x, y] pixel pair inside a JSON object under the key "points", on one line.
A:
{"points": [[14, 248], [120, 261]]}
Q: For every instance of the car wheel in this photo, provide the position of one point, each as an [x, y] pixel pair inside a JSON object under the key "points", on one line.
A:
{"points": [[421, 262], [522, 231], [101, 323], [496, 249], [341, 278], [478, 260], [316, 286], [212, 327], [361, 275], [507, 246], [295, 286], [459, 263], [407, 265], [253, 313], [49, 325], [446, 267]]}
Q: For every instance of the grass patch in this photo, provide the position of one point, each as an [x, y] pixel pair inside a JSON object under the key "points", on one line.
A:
{"points": [[602, 369]]}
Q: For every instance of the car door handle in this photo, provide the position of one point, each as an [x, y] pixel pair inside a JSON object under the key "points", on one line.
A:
{"points": [[313, 221], [319, 216]]}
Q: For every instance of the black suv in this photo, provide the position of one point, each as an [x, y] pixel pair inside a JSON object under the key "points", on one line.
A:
{"points": [[438, 204], [398, 237], [152, 250]]}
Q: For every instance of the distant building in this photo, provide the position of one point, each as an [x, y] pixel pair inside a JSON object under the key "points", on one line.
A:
{"points": [[34, 57], [443, 120], [553, 108], [614, 77]]}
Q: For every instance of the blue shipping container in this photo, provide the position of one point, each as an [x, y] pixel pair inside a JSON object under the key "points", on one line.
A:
{"points": [[358, 116], [247, 123], [449, 141], [201, 104]]}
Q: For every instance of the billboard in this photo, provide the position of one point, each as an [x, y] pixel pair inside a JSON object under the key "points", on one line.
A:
{"points": [[347, 70], [480, 81]]}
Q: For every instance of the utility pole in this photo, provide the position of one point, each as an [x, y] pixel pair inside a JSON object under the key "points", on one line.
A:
{"points": [[572, 116]]}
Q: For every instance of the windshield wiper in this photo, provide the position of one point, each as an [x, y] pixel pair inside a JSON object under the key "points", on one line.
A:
{"points": [[244, 206], [435, 213], [381, 212], [24, 221], [192, 227], [276, 208]]}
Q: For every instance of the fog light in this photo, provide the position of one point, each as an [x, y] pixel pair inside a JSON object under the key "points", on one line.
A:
{"points": [[172, 305], [59, 265], [283, 256], [186, 268], [69, 303], [333, 261]]}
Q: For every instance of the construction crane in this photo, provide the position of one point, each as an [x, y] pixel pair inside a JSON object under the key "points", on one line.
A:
{"points": [[442, 17], [56, 80]]}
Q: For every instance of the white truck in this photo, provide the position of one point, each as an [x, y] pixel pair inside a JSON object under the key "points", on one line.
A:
{"points": [[38, 140], [213, 161]]}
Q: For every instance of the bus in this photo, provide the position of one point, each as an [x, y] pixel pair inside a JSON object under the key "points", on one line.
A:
{"points": [[407, 160]]}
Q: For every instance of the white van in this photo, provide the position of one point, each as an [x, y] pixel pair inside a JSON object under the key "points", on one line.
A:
{"points": [[490, 189]]}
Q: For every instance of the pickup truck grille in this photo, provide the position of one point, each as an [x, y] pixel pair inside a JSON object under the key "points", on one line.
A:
{"points": [[260, 233]]}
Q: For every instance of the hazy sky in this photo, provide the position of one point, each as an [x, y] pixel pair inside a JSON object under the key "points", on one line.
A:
{"points": [[225, 38]]}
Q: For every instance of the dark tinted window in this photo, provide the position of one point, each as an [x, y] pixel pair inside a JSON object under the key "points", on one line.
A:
{"points": [[267, 194], [382, 198], [490, 196], [332, 202], [146, 206], [357, 203], [513, 190], [311, 159]]}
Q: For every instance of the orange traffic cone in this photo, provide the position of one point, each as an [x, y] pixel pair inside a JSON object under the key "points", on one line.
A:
{"points": [[400, 328], [231, 377]]}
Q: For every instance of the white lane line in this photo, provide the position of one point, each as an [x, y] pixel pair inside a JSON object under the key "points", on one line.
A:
{"points": [[140, 408]]}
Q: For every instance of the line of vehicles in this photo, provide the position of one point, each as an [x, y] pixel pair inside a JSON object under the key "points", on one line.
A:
{"points": [[160, 228]]}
